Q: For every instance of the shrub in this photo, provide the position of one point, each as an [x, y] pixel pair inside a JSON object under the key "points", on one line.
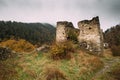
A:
{"points": [[5, 53], [62, 50], [72, 35], [20, 45], [115, 50]]}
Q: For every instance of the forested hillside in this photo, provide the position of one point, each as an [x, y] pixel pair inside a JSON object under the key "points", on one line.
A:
{"points": [[36, 33], [112, 37]]}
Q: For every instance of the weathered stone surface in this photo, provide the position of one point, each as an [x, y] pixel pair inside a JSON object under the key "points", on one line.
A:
{"points": [[91, 34], [63, 27]]}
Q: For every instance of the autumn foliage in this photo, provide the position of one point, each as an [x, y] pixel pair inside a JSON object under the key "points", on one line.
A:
{"points": [[62, 50], [20, 45]]}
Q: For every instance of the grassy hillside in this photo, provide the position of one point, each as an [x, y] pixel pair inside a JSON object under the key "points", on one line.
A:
{"points": [[79, 65], [64, 61], [111, 70], [39, 66]]}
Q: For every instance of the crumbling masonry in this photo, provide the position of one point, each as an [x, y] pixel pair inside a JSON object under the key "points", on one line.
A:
{"points": [[89, 35], [65, 31]]}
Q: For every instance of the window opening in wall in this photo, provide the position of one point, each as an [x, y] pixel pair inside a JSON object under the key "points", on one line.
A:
{"points": [[90, 28], [68, 37]]}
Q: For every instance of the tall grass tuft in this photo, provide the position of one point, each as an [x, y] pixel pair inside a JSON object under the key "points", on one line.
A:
{"points": [[52, 73]]}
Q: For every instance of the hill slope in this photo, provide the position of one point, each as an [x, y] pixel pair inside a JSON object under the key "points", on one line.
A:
{"points": [[112, 37], [32, 32]]}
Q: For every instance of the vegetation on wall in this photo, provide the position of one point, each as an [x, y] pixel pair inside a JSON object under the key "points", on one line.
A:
{"points": [[73, 34]]}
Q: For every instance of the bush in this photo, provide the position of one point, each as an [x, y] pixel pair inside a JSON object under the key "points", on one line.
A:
{"points": [[72, 35], [62, 50], [5, 53], [115, 50], [20, 45]]}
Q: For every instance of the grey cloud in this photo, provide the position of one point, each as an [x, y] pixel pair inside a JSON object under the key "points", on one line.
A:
{"points": [[21, 3], [112, 6], [53, 10], [116, 8], [2, 3], [109, 7]]}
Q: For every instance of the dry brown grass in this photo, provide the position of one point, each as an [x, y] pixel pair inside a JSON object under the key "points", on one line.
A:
{"points": [[87, 61], [113, 73], [31, 73], [41, 67], [7, 70], [107, 53], [53, 73]]}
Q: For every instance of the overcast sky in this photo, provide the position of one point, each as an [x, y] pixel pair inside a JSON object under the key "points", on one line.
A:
{"points": [[52, 11]]}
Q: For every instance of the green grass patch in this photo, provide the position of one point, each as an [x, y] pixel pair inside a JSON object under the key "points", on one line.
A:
{"points": [[39, 66]]}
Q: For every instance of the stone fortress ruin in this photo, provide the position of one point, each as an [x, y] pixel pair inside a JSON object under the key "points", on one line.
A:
{"points": [[65, 30], [89, 35]]}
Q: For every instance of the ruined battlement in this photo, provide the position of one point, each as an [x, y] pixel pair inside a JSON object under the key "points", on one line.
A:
{"points": [[65, 24], [93, 21], [62, 23], [62, 30], [89, 34]]}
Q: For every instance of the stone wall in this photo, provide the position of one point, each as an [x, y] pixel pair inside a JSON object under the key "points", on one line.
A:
{"points": [[62, 30], [90, 35]]}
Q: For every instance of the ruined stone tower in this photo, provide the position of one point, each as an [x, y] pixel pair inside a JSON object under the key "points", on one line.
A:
{"points": [[63, 27], [90, 36]]}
